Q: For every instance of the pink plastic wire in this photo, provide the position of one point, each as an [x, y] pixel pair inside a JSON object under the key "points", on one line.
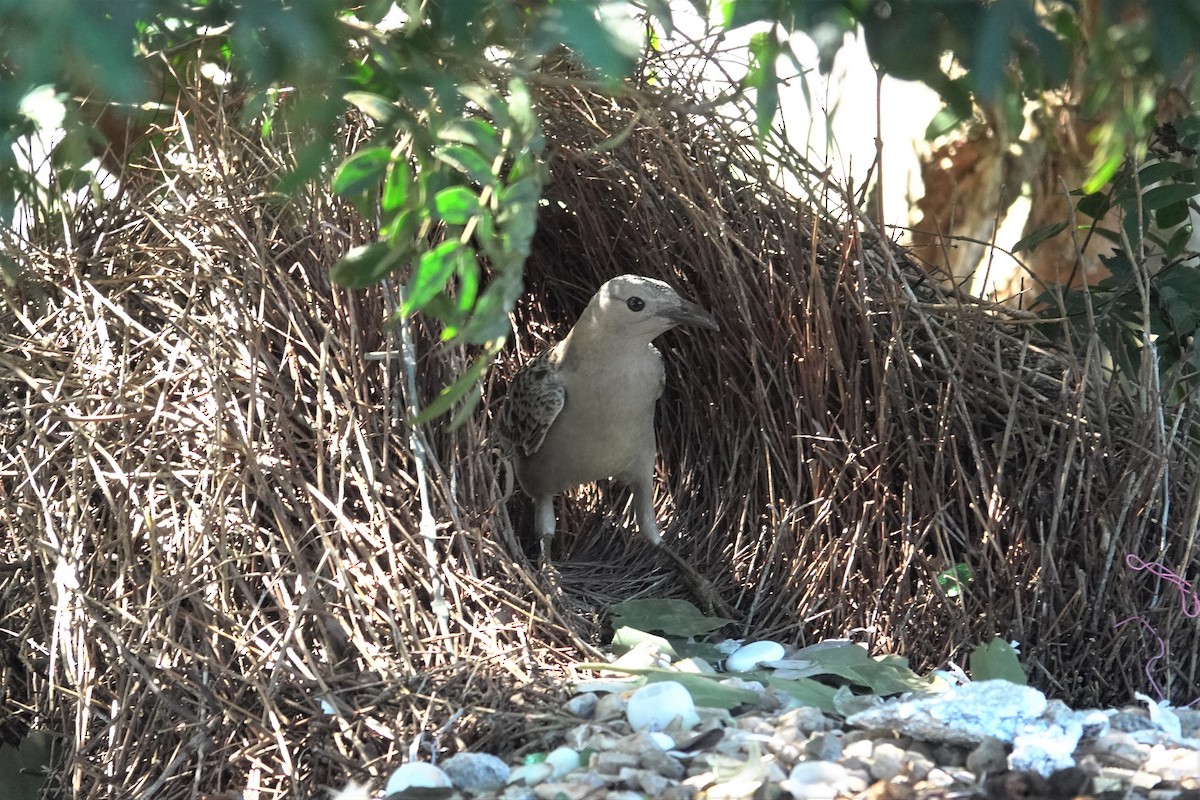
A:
{"points": [[1189, 605]]}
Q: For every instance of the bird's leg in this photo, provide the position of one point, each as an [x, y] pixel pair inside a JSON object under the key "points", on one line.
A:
{"points": [[702, 588], [643, 507], [543, 522]]}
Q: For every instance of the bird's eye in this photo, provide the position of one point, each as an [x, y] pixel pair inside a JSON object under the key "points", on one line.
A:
{"points": [[635, 303]]}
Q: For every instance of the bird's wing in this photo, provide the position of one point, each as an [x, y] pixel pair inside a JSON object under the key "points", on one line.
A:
{"points": [[662, 371], [534, 399]]}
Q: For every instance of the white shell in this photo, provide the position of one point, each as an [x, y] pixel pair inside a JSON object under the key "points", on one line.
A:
{"points": [[416, 773], [749, 656], [664, 741], [562, 760], [531, 774], [656, 705]]}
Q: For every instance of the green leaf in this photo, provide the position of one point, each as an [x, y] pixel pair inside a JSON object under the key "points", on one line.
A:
{"points": [[672, 617], [1168, 194], [521, 195], [764, 78], [996, 660], [706, 690], [807, 691], [489, 321], [1094, 205], [992, 47], [1160, 171], [1172, 215], [23, 768], [468, 405], [1178, 242], [944, 121], [469, 162], [401, 230], [1179, 289], [478, 134], [736, 13], [524, 118], [661, 11], [1105, 164], [456, 205], [609, 43], [362, 171], [434, 269], [450, 395], [365, 265], [1033, 239], [397, 186], [954, 579], [626, 638], [887, 674], [489, 100], [375, 106], [468, 283]]}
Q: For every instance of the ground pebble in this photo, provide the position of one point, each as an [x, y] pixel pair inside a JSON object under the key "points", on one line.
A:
{"points": [[805, 720], [653, 784], [825, 746], [583, 705], [989, 757], [517, 793], [948, 755], [919, 765], [663, 763], [808, 754], [821, 780], [857, 748], [887, 761], [609, 707], [476, 772], [611, 762]]}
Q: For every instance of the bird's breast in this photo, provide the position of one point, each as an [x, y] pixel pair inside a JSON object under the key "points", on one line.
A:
{"points": [[606, 426]]}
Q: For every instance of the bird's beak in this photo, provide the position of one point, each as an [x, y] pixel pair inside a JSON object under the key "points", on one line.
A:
{"points": [[691, 314]]}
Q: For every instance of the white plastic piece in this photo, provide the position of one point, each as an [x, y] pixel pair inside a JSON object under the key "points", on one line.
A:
{"points": [[531, 774], [751, 655], [562, 760], [656, 705], [416, 773]]}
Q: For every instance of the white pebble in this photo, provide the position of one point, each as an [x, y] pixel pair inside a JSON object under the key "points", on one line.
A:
{"points": [[562, 760], [656, 705], [749, 656], [531, 774], [416, 773], [818, 780]]}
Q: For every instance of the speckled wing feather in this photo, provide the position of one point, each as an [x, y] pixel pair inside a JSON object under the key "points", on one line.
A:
{"points": [[534, 400]]}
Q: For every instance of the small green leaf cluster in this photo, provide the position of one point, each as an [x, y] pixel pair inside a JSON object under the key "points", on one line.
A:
{"points": [[1152, 291], [997, 53], [955, 580], [474, 180], [997, 660], [996, 56]]}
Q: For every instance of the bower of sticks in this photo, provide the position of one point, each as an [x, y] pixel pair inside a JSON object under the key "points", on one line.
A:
{"points": [[227, 563]]}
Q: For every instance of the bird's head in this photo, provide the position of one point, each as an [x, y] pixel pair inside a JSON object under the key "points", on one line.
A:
{"points": [[643, 308]]}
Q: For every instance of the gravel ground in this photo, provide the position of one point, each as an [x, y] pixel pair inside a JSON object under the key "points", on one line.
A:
{"points": [[989, 739]]}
